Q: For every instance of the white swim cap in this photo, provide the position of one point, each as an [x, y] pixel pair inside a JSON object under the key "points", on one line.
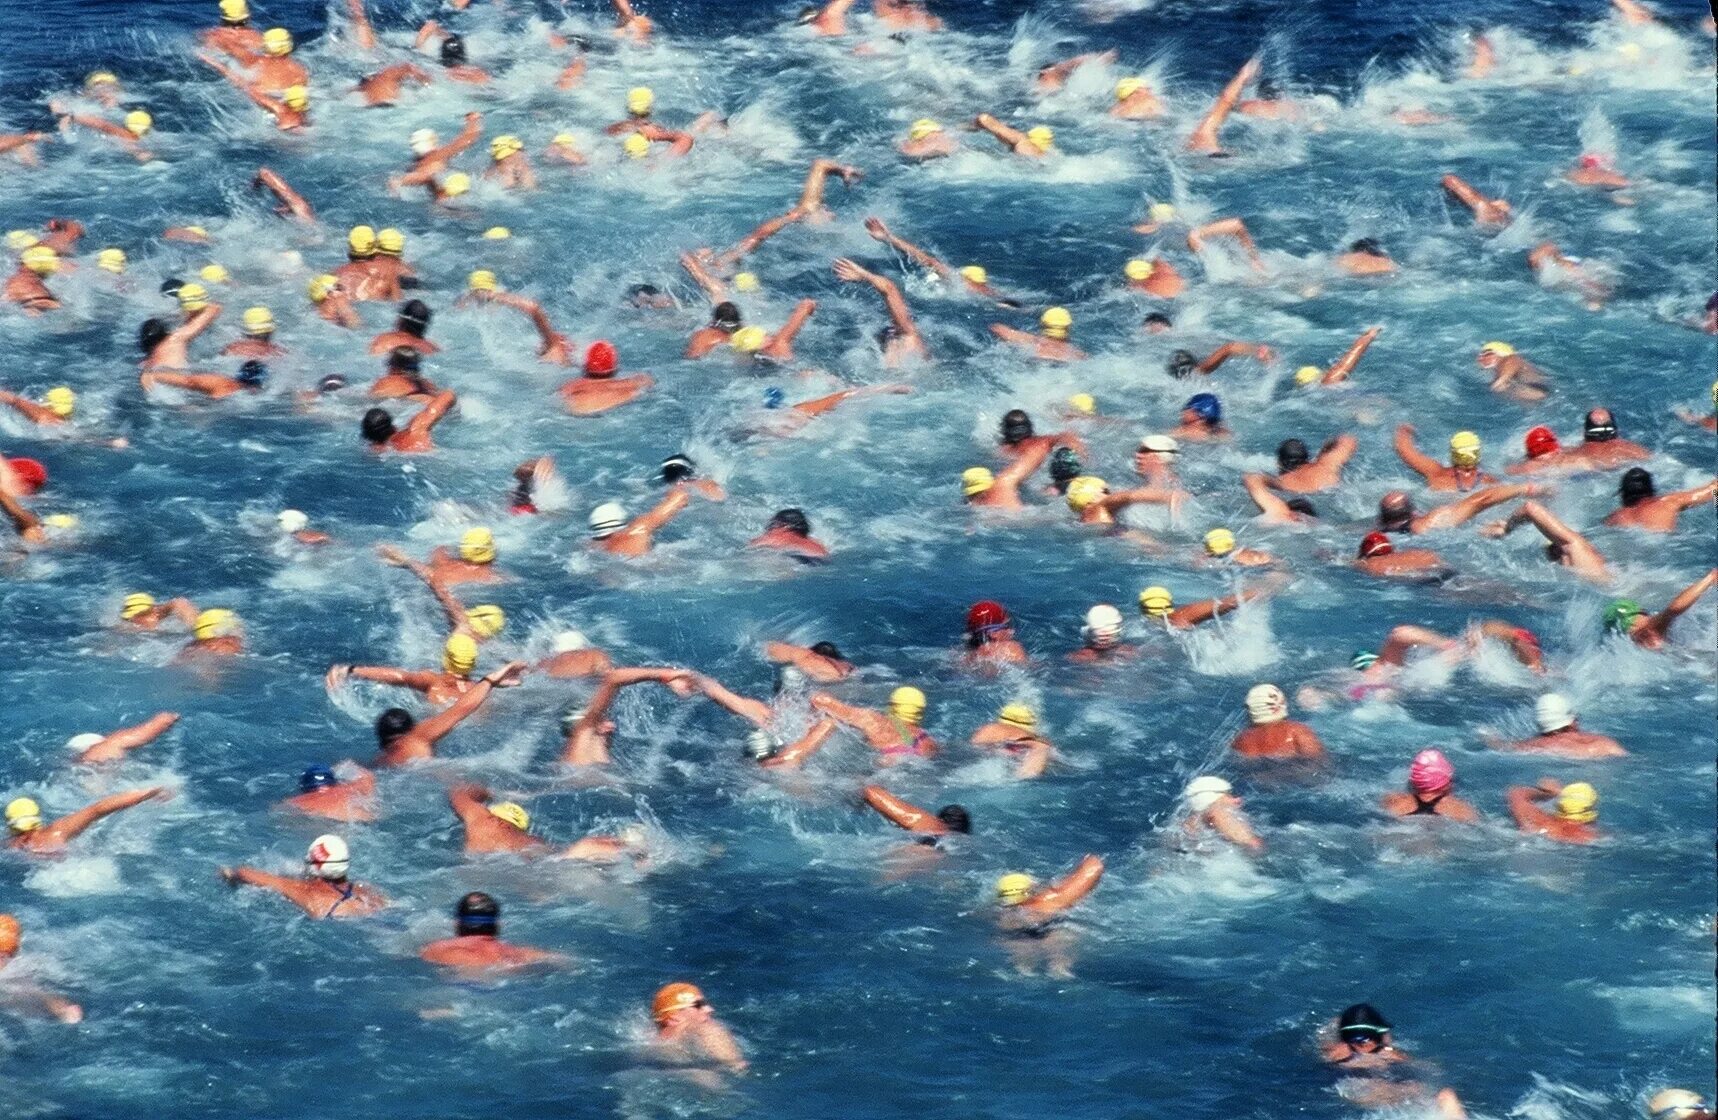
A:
{"points": [[1266, 704], [293, 521], [1553, 713], [84, 742], [1163, 445], [571, 641], [1674, 1104], [1103, 625], [607, 520], [1202, 793], [328, 857], [423, 142]]}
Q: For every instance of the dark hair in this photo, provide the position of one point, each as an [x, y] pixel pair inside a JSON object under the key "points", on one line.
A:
{"points": [[828, 649], [1292, 453], [477, 913], [414, 317], [955, 817], [377, 425], [1368, 246], [452, 50], [1016, 425], [1065, 466], [793, 520], [170, 286], [1181, 364], [393, 723], [151, 334], [1636, 486]]}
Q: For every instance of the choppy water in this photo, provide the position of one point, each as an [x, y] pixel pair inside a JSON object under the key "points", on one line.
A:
{"points": [[1543, 982]]}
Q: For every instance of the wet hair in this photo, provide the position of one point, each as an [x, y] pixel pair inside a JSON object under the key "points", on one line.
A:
{"points": [[1361, 1022], [151, 334], [677, 467], [1181, 364], [828, 649], [1636, 486], [414, 317], [1302, 506], [477, 913], [253, 374], [955, 817], [643, 290], [377, 425], [1158, 319], [393, 723], [1368, 246], [452, 50], [1016, 426], [404, 359], [793, 520], [725, 316], [1292, 453]]}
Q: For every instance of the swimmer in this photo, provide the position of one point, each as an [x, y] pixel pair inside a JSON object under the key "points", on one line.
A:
{"points": [[1300, 474], [20, 478], [508, 164], [1017, 437], [895, 735], [1096, 504], [1709, 421], [273, 69], [1431, 780], [343, 793], [810, 206], [32, 835], [1203, 139], [1228, 229], [1634, 13], [925, 140], [1135, 101], [430, 157], [380, 434], [235, 35], [23, 146], [1560, 734], [141, 611], [502, 826], [216, 633], [323, 891], [822, 662], [25, 287], [258, 341], [1554, 269], [1219, 546], [1273, 734], [1359, 1042], [1015, 732], [290, 110], [1601, 448], [253, 376], [474, 564], [1599, 170], [1463, 472], [1154, 276], [1269, 105], [1489, 212], [1396, 512], [1344, 366], [1678, 1104], [1513, 375], [724, 325], [574, 657], [589, 729], [382, 88], [614, 533], [1201, 420], [688, 1032], [453, 680], [1052, 78], [1365, 257], [628, 24], [1544, 453], [479, 623], [1030, 917], [1575, 808], [930, 827], [1213, 807], [1563, 545], [1154, 461], [94, 748], [1625, 616], [828, 21], [1255, 350], [476, 945], [410, 331], [332, 301], [564, 148], [129, 135], [404, 739], [1644, 508], [454, 63], [1035, 143], [402, 377], [756, 343], [901, 339], [1482, 60], [789, 531], [1001, 489], [990, 636], [1157, 605], [288, 202], [598, 390], [1273, 509], [904, 15], [15, 996], [55, 409]]}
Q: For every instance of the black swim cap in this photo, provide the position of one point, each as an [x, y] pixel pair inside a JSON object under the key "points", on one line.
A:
{"points": [[1636, 485], [1361, 1023], [414, 317], [331, 382], [1181, 364], [1301, 505], [1600, 430], [170, 287], [1158, 319], [1292, 453], [955, 817], [643, 290], [377, 425], [1268, 89], [476, 913], [1016, 426], [1065, 466], [725, 315], [151, 334], [452, 50], [793, 520], [404, 359], [677, 467], [1368, 246], [253, 374], [393, 723], [828, 649]]}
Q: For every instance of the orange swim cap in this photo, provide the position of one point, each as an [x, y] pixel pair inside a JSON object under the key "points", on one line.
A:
{"points": [[11, 933], [674, 997]]}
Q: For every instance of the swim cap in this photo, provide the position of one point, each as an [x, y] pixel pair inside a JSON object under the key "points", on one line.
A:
{"points": [[1103, 626], [1085, 490], [277, 41], [1065, 467], [424, 141], [1395, 511], [1083, 403], [746, 282], [513, 813], [18, 240], [296, 97], [1018, 715], [1635, 486], [601, 360], [193, 297], [1012, 889], [292, 520], [759, 743], [1127, 87], [1620, 615], [23, 815], [328, 857], [791, 520], [84, 741], [1266, 704], [1160, 445], [253, 374], [674, 997], [456, 184], [216, 622], [1156, 601], [497, 233], [1139, 269], [564, 140], [1501, 349], [1579, 802], [315, 778], [477, 546], [907, 704], [725, 315], [453, 50], [321, 287], [975, 274], [11, 934], [135, 604], [1431, 772], [1162, 212], [1553, 713], [749, 340], [607, 520], [922, 128], [1292, 453], [1016, 425], [111, 260], [1540, 441], [41, 260], [1219, 542], [1306, 375], [391, 241], [361, 241], [235, 11], [258, 321], [636, 145], [1206, 406], [976, 480], [1041, 137], [1056, 322], [1362, 660], [677, 467], [570, 641], [481, 280], [333, 382], [505, 145], [214, 274], [137, 122], [459, 654], [1202, 793], [1670, 1104], [60, 401], [477, 914], [1361, 1023], [486, 620], [1375, 544], [639, 99]]}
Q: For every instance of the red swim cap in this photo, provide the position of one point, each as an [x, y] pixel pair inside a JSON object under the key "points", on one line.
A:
{"points": [[1592, 161], [1375, 544], [984, 616], [601, 360], [30, 473], [1541, 441]]}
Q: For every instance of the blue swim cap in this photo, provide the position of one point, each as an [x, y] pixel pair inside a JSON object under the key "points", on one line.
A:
{"points": [[315, 778], [253, 373], [1206, 406], [773, 397]]}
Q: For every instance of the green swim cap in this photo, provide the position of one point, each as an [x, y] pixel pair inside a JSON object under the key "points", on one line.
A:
{"points": [[1620, 614]]}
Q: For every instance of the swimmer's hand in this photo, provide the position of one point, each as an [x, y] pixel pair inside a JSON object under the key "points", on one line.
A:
{"points": [[876, 228], [392, 555], [508, 676], [684, 684], [229, 876], [1494, 530], [337, 676]]}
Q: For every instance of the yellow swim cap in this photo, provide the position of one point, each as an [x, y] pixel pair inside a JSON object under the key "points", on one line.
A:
{"points": [[635, 146], [102, 78], [296, 97], [1018, 715], [1013, 888], [922, 128], [975, 274], [459, 654], [137, 122], [456, 184], [907, 704], [61, 521], [193, 297], [197, 231], [135, 604], [1306, 375], [746, 282], [1501, 349], [1139, 269], [1156, 601], [976, 480], [20, 239], [361, 241], [1464, 449], [639, 99], [277, 41], [235, 11], [321, 287], [111, 260], [258, 321], [1219, 542], [61, 401], [216, 622], [513, 813], [214, 274], [1083, 403], [391, 241], [497, 233], [1127, 87], [1056, 322], [1085, 490], [503, 146], [749, 340], [1579, 802], [23, 815], [41, 260], [477, 546], [1041, 138], [486, 619], [564, 140], [1162, 212], [482, 280]]}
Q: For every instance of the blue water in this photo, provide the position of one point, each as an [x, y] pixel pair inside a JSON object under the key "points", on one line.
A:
{"points": [[1540, 981]]}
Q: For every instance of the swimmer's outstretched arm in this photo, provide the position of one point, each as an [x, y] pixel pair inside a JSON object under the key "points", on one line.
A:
{"points": [[755, 711], [1483, 61], [1418, 461], [97, 124], [811, 198], [210, 384], [436, 727], [796, 752], [713, 287], [821, 405], [449, 602], [1204, 137], [1490, 211], [780, 345], [1025, 464], [74, 824], [902, 316], [1231, 824], [864, 720], [1401, 639], [361, 29], [1227, 227], [1350, 358], [419, 679], [432, 413], [27, 524], [252, 877], [1052, 77], [1077, 885], [33, 412], [1009, 136], [750, 242], [1259, 489], [20, 140], [114, 745], [903, 814], [1223, 353], [1476, 503], [832, 18], [546, 332], [1659, 623], [291, 202], [1142, 495], [876, 228], [679, 143]]}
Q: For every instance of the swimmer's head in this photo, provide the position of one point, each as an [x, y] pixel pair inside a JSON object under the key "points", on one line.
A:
{"points": [[1012, 889], [214, 274], [746, 282], [1083, 491], [138, 123], [414, 318], [1065, 466], [361, 243], [315, 778], [111, 260], [1636, 486], [725, 316], [277, 42], [390, 242], [1161, 212], [1266, 704], [40, 259], [1219, 543], [1205, 408], [504, 146], [976, 480], [296, 98], [253, 374], [1674, 1104], [423, 141], [331, 383], [601, 359], [391, 724], [789, 521], [258, 322], [1018, 716], [328, 858], [1129, 86], [1375, 544], [922, 128], [672, 999], [1055, 323], [1362, 660], [829, 650], [1552, 712], [1395, 512], [1016, 426], [23, 815], [486, 620], [1083, 404], [640, 100], [321, 287], [1103, 626], [1431, 773], [955, 817], [975, 274], [1306, 375], [481, 280], [455, 184], [477, 546], [136, 604], [193, 297], [61, 401], [1620, 614], [453, 51], [1138, 270], [477, 915], [1041, 137], [235, 13], [1292, 453], [1203, 792], [377, 426], [1578, 803], [749, 340], [1165, 448], [292, 520], [1367, 247], [636, 145], [1540, 441], [1181, 364], [1361, 1027], [907, 704], [677, 468], [1599, 426], [1158, 323], [1156, 602], [1464, 450], [606, 520], [759, 744], [513, 813]]}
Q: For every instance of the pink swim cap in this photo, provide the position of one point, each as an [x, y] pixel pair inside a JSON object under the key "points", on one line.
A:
{"points": [[1431, 772]]}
